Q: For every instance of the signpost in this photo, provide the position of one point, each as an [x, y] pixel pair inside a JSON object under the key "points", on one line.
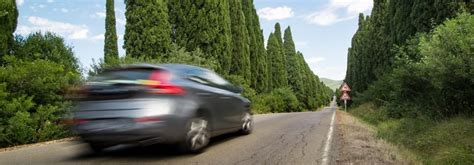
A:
{"points": [[345, 89]]}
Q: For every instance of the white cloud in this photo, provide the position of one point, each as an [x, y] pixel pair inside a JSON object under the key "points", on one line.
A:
{"points": [[334, 73], [331, 14], [64, 10], [20, 2], [68, 30], [301, 43], [277, 13], [315, 60], [50, 1], [41, 6], [100, 14], [98, 37]]}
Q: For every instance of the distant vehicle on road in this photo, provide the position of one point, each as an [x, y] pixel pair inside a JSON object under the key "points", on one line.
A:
{"points": [[170, 103]]}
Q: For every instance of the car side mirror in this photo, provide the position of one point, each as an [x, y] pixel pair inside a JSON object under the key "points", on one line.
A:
{"points": [[238, 89]]}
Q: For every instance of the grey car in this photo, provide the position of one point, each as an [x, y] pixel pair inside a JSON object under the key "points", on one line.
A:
{"points": [[170, 103]]}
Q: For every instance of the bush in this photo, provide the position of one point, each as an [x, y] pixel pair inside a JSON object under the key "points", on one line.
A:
{"points": [[279, 100], [434, 75], [241, 82], [34, 80], [46, 46]]}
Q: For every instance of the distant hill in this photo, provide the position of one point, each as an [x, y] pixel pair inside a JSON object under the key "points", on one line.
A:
{"points": [[333, 84]]}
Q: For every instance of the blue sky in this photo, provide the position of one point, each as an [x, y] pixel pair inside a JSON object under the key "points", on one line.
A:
{"points": [[322, 29]]}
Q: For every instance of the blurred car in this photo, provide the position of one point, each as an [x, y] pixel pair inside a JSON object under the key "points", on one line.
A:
{"points": [[170, 103]]}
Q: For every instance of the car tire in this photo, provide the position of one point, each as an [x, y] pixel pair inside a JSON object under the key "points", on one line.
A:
{"points": [[197, 135], [97, 147], [247, 124]]}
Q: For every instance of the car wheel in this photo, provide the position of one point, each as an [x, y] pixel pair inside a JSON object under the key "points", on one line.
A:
{"points": [[97, 147], [247, 124], [197, 136]]}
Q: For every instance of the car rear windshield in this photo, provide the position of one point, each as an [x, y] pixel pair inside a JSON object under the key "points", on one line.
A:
{"points": [[125, 74]]}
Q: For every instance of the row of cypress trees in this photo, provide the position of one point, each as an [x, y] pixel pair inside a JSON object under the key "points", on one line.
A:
{"points": [[390, 25], [228, 31]]}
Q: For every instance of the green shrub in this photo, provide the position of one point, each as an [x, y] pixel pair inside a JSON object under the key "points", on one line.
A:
{"points": [[34, 80], [434, 75], [279, 100], [370, 113], [287, 100]]}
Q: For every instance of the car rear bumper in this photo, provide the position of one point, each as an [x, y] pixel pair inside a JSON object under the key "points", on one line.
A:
{"points": [[170, 130]]}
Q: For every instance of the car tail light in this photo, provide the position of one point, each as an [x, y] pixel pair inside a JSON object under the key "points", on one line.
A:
{"points": [[147, 119], [160, 80]]}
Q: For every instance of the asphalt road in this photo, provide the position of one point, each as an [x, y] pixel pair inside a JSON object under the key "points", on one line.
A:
{"points": [[287, 138]]}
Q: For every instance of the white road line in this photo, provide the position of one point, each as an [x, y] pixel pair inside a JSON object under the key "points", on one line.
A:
{"points": [[327, 146]]}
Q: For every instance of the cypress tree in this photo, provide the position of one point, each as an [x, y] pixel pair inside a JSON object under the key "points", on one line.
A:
{"points": [[292, 65], [391, 25], [277, 64], [240, 41], [110, 41], [205, 25], [147, 32], [8, 23], [283, 64], [258, 59], [277, 33]]}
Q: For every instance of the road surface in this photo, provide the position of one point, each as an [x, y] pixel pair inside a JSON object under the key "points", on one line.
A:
{"points": [[286, 138]]}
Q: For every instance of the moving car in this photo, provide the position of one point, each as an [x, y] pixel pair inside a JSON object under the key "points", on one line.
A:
{"points": [[170, 103]]}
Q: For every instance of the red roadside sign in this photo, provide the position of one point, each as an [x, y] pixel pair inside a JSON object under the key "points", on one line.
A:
{"points": [[345, 88], [345, 96]]}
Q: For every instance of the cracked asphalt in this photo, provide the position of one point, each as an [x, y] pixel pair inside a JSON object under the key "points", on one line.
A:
{"points": [[285, 138]]}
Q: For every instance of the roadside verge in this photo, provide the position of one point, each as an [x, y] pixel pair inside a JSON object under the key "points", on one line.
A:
{"points": [[358, 144]]}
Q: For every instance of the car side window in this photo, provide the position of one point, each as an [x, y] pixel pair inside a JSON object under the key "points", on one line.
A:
{"points": [[216, 79], [197, 76], [209, 78]]}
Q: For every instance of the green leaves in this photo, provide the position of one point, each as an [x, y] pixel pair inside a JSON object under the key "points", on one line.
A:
{"points": [[205, 25], [110, 45], [276, 63], [8, 21], [258, 55], [31, 93], [147, 32], [240, 41]]}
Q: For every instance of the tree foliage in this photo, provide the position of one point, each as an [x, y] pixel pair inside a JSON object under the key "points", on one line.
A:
{"points": [[293, 68], [258, 55], [110, 41], [205, 25], [8, 22], [240, 41], [34, 81], [276, 65], [432, 76], [390, 26], [147, 31]]}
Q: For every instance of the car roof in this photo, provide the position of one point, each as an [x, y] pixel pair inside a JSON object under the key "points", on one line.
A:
{"points": [[183, 68]]}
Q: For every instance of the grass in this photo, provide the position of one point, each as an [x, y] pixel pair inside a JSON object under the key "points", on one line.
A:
{"points": [[450, 141]]}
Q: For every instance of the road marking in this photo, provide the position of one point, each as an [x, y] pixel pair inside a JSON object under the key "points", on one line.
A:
{"points": [[327, 146]]}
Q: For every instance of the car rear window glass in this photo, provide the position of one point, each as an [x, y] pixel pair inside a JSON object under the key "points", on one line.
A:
{"points": [[129, 74]]}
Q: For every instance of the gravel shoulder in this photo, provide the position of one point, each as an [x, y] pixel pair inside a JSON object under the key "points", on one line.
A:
{"points": [[357, 144]]}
